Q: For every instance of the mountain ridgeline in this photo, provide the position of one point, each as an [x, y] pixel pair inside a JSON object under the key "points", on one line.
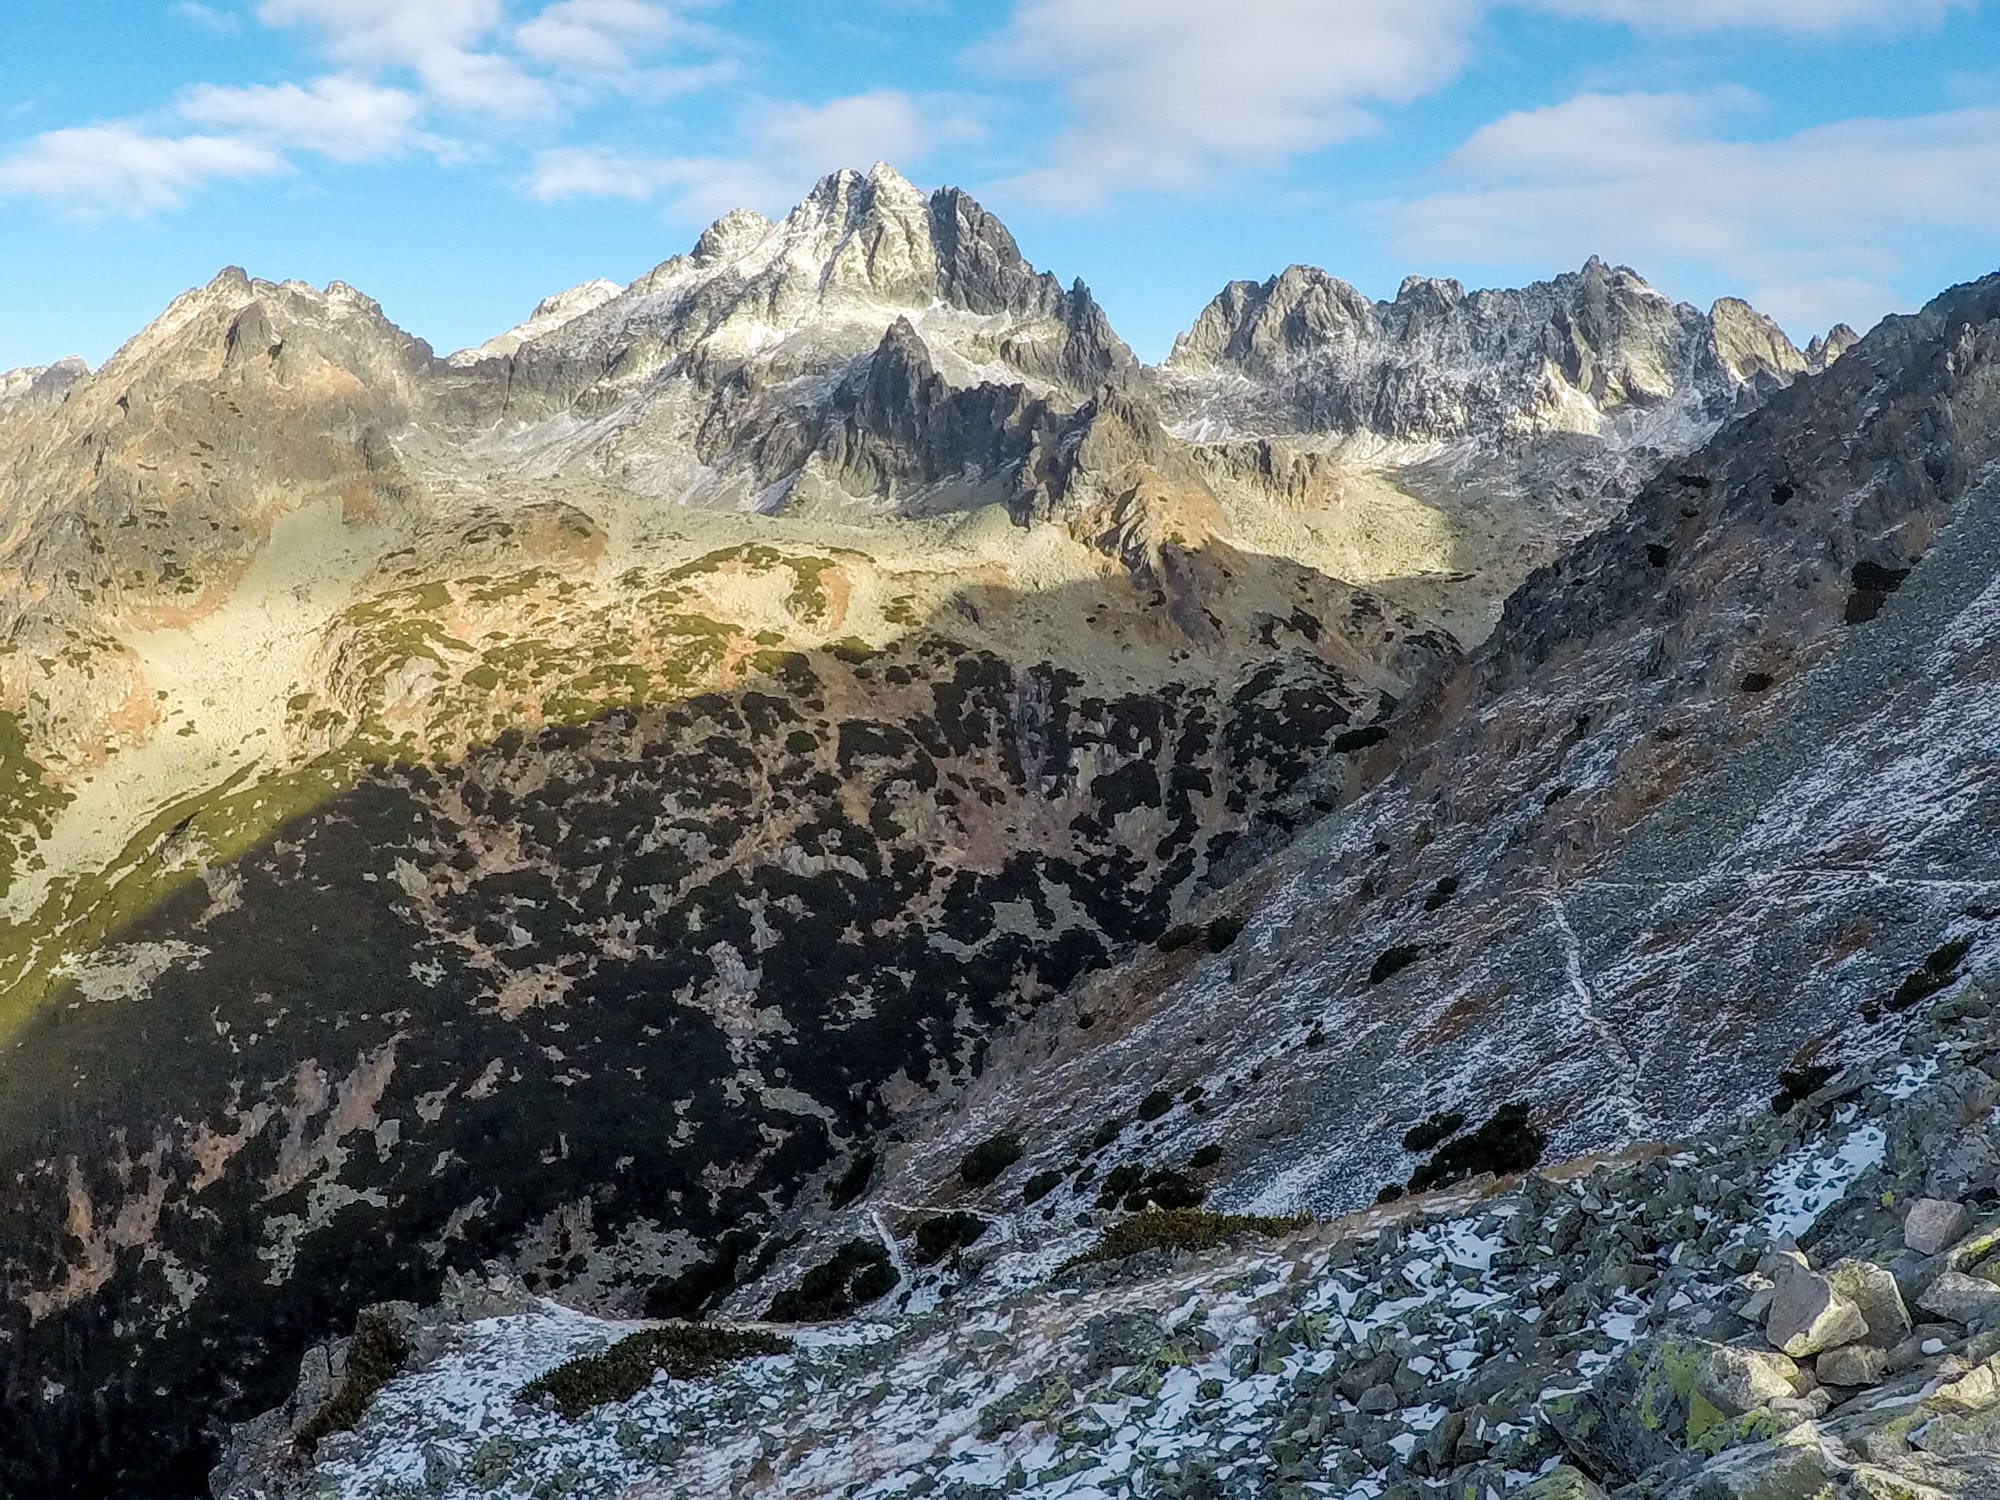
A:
{"points": [[634, 803]]}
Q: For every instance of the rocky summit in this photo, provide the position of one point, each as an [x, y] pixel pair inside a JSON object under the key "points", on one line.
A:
{"points": [[803, 878]]}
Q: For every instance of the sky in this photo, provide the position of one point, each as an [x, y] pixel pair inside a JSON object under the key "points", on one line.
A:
{"points": [[458, 160]]}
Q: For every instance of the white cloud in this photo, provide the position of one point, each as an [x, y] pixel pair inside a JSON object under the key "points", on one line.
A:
{"points": [[785, 146], [1175, 95], [437, 39], [1166, 94], [98, 171], [606, 44], [205, 16], [389, 33], [600, 172], [1814, 226], [1811, 17], [343, 118]]}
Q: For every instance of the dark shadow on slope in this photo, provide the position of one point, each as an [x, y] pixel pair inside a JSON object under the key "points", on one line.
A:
{"points": [[589, 1000]]}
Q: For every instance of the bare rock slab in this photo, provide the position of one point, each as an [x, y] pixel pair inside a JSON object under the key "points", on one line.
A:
{"points": [[1852, 1365], [1962, 1298], [1935, 1224]]}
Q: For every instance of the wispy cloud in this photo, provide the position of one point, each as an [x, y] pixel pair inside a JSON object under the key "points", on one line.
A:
{"points": [[1177, 95], [99, 171], [784, 145], [442, 41], [346, 119], [1167, 94], [436, 76], [611, 44], [1804, 17], [1814, 225], [207, 17]]}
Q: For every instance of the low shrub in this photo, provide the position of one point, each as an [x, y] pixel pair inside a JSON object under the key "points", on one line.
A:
{"points": [[937, 1237], [1436, 1130], [987, 1160], [1155, 1104], [1183, 1229], [1939, 970], [1795, 1084], [1393, 961], [375, 1356], [1040, 1186], [1222, 933], [685, 1351], [1509, 1142], [852, 1183], [1137, 1189], [858, 1273]]}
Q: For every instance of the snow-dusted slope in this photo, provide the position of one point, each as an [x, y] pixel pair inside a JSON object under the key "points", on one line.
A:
{"points": [[550, 314]]}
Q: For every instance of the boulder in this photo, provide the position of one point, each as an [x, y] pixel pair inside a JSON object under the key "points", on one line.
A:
{"points": [[1976, 1390], [1792, 1468], [1735, 1381], [1378, 1399], [1935, 1224], [1873, 1289], [1962, 1298], [1853, 1364], [1807, 1315]]}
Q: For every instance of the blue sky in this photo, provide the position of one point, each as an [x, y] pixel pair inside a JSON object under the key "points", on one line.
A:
{"points": [[460, 159]]}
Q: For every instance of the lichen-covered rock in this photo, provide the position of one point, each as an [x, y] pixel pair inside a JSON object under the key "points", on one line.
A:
{"points": [[1962, 1299], [1808, 1315], [1872, 1288], [1739, 1380]]}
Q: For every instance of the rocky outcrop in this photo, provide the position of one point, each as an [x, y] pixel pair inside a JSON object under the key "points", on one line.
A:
{"points": [[39, 385], [550, 314]]}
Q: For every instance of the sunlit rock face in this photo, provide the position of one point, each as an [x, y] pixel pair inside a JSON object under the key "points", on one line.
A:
{"points": [[564, 803]]}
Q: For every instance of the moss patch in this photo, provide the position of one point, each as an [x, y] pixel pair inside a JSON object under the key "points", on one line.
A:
{"points": [[683, 1352]]}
